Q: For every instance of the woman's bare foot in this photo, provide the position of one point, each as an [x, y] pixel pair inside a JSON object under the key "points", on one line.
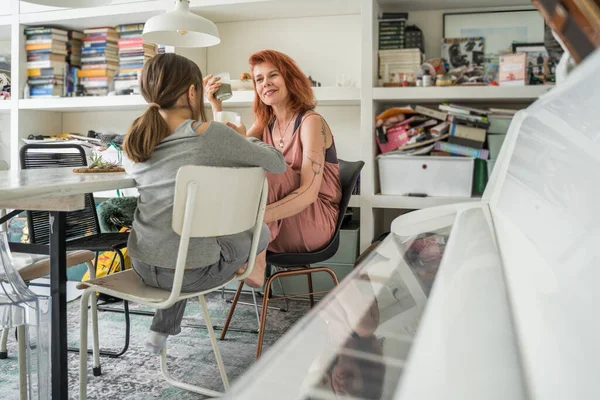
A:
{"points": [[257, 277]]}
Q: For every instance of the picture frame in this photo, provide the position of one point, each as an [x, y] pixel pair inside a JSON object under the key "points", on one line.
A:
{"points": [[539, 62], [498, 28]]}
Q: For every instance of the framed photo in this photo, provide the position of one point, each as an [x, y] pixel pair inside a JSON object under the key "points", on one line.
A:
{"points": [[462, 52], [539, 63], [500, 29]]}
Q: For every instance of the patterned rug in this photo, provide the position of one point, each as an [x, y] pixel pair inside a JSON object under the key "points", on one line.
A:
{"points": [[136, 375]]}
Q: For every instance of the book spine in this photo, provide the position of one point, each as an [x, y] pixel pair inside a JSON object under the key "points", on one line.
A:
{"points": [[462, 150], [442, 116], [465, 142]]}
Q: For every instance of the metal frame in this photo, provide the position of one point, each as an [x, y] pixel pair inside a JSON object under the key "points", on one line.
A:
{"points": [[304, 270]]}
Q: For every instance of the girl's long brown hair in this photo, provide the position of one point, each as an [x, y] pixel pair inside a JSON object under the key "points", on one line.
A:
{"points": [[165, 78], [300, 91]]}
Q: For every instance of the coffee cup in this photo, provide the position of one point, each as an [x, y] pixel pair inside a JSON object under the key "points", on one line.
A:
{"points": [[224, 92], [228, 116]]}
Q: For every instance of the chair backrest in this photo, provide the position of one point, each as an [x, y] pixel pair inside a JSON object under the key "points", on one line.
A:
{"points": [[79, 223], [216, 201], [226, 199], [349, 172]]}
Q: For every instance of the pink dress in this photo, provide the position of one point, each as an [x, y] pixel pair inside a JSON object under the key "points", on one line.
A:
{"points": [[311, 229]]}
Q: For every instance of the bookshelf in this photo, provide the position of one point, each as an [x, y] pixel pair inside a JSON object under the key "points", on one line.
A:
{"points": [[342, 40]]}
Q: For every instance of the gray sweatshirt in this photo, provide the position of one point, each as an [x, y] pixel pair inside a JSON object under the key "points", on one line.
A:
{"points": [[152, 239]]}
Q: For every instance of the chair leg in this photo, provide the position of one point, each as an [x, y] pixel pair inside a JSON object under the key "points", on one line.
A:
{"points": [[213, 341], [285, 300], [97, 369], [256, 308], [263, 317], [83, 327], [3, 344], [231, 310], [311, 297], [182, 385], [111, 354], [22, 355]]}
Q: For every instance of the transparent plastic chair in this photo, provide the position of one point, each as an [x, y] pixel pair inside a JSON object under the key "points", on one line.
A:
{"points": [[29, 313]]}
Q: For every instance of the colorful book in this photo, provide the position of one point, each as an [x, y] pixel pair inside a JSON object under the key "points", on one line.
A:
{"points": [[482, 154], [467, 132]]}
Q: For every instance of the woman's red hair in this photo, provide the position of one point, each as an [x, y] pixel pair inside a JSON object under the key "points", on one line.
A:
{"points": [[299, 88]]}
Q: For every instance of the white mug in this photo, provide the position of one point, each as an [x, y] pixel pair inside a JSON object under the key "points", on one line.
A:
{"points": [[228, 116]]}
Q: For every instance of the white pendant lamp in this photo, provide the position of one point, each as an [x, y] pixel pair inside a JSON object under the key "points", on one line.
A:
{"points": [[71, 3], [181, 28]]}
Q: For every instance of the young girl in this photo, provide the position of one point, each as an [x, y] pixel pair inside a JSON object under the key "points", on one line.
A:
{"points": [[172, 133]]}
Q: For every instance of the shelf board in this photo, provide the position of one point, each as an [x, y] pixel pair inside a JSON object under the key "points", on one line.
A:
{"points": [[81, 18], [82, 104], [216, 10], [416, 203], [325, 96], [423, 5], [220, 11], [460, 93]]}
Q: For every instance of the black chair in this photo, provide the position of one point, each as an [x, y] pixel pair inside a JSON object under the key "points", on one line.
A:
{"points": [[82, 226], [299, 263]]}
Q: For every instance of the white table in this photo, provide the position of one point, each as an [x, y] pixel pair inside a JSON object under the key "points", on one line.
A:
{"points": [[55, 190]]}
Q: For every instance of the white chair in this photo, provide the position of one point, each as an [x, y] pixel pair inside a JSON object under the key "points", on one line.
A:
{"points": [[209, 201]]}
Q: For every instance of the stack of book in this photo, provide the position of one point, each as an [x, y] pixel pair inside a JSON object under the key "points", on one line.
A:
{"points": [[99, 61], [133, 54], [468, 130], [74, 61], [392, 28], [395, 64], [46, 49]]}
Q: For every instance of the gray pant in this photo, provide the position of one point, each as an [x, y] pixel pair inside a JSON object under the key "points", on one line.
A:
{"points": [[235, 250]]}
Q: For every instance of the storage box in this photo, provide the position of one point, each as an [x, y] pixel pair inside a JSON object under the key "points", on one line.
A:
{"points": [[490, 165], [495, 144], [499, 125], [433, 176], [347, 253]]}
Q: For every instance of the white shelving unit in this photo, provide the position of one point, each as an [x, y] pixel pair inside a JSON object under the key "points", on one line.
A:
{"points": [[325, 96], [326, 37], [504, 94]]}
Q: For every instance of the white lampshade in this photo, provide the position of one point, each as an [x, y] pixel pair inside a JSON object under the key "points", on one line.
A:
{"points": [[71, 3], [181, 28]]}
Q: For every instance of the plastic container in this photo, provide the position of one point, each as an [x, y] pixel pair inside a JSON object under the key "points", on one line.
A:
{"points": [[433, 176], [495, 144]]}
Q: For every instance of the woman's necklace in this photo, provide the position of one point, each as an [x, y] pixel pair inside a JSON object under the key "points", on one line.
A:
{"points": [[282, 133]]}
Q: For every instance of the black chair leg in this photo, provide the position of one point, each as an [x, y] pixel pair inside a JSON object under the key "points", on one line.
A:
{"points": [[311, 297]]}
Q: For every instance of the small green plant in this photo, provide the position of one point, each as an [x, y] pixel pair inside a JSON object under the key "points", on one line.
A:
{"points": [[97, 163]]}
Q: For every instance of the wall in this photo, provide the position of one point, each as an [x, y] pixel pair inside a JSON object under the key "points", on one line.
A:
{"points": [[317, 51], [318, 44], [431, 22]]}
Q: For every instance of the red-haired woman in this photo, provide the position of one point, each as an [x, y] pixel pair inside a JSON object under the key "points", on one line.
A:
{"points": [[303, 204]]}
